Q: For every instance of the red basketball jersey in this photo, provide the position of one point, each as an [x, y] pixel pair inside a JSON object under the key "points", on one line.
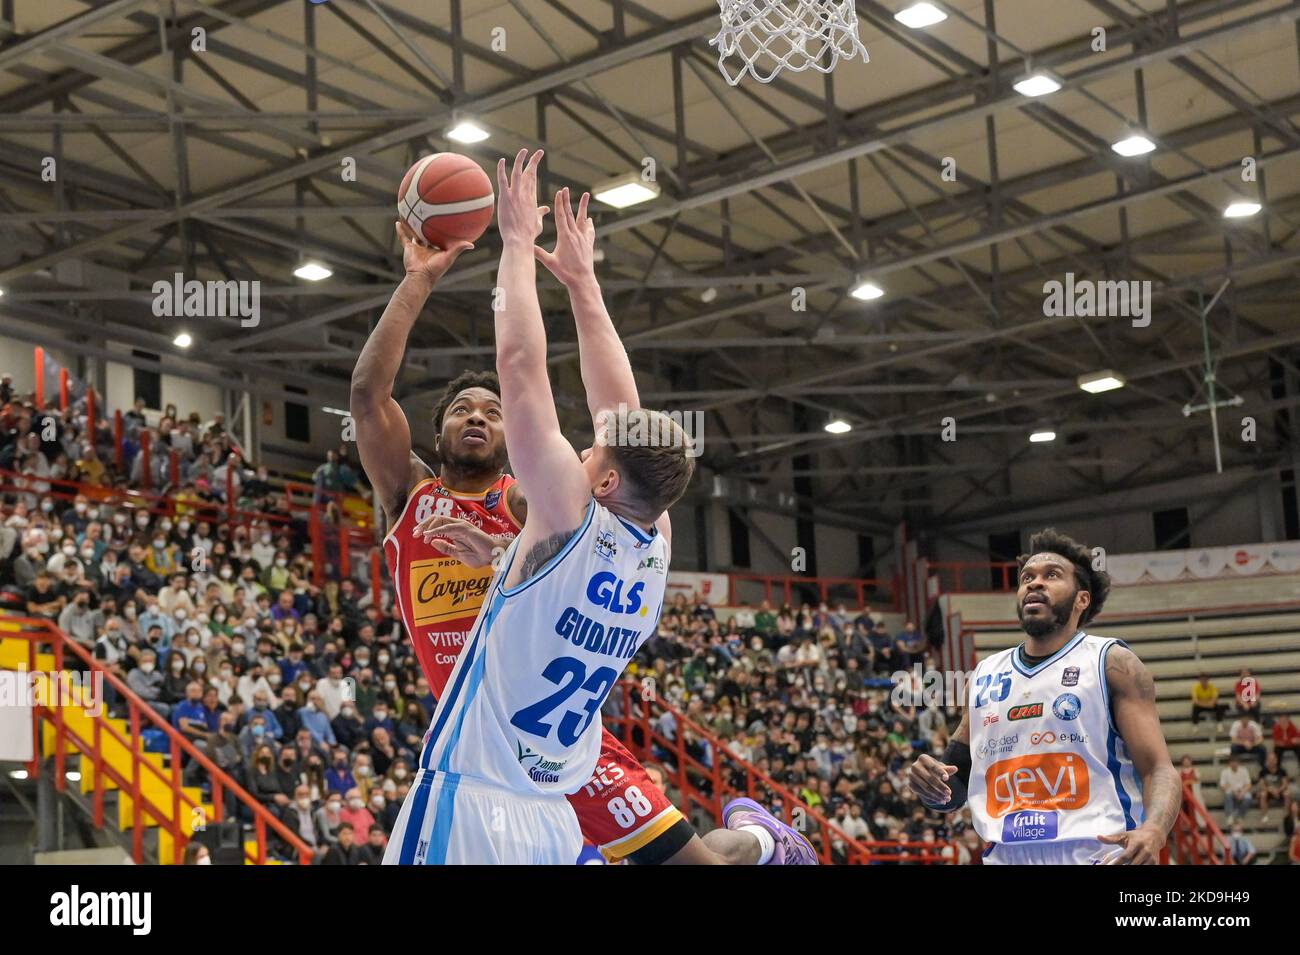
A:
{"points": [[438, 596]]}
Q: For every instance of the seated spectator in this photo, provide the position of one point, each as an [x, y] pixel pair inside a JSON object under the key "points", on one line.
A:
{"points": [[316, 721], [42, 599], [372, 853], [1191, 776], [1248, 739], [1249, 695], [1241, 848], [338, 778], [1274, 786], [146, 682], [1205, 699], [298, 816], [329, 817], [267, 784], [355, 813], [1286, 739], [344, 851], [1237, 789]]}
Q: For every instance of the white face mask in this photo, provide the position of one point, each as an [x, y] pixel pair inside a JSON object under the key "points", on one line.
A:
{"points": [[281, 562], [142, 521], [304, 803], [69, 550], [165, 524], [79, 508], [356, 804], [159, 543], [147, 667], [206, 860], [225, 573]]}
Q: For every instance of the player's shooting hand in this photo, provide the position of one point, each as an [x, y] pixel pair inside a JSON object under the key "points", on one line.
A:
{"points": [[574, 257], [928, 778], [424, 260], [519, 217], [1141, 846], [458, 538]]}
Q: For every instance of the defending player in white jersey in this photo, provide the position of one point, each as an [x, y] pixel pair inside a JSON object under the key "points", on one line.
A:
{"points": [[1059, 752], [578, 592]]}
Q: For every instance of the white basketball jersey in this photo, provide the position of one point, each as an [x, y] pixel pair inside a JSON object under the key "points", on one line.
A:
{"points": [[522, 708], [1047, 764]]}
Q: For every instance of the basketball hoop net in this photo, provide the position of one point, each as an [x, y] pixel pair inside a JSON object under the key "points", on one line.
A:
{"points": [[768, 36]]}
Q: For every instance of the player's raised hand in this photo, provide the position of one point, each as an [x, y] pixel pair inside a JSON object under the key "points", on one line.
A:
{"points": [[574, 257], [1141, 847], [519, 217], [458, 538], [426, 260], [928, 778]]}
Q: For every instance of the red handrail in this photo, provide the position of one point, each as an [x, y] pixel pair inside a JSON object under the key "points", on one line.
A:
{"points": [[37, 631], [637, 718], [1197, 835]]}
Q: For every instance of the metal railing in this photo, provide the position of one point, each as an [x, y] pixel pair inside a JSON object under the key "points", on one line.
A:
{"points": [[636, 726], [140, 715]]}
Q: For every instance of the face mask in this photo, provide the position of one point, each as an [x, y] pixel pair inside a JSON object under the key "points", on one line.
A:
{"points": [[199, 666], [377, 802], [142, 521], [88, 554], [363, 661], [304, 686], [390, 685], [56, 533], [130, 613], [383, 658], [237, 649], [259, 730], [184, 526], [347, 712], [399, 774], [334, 805], [281, 562], [273, 679], [381, 715], [227, 673], [159, 543], [79, 508], [69, 551], [266, 538], [165, 524], [178, 667], [220, 618], [47, 506], [192, 639], [119, 519], [363, 771], [304, 803], [356, 804], [206, 860], [225, 573], [147, 667]]}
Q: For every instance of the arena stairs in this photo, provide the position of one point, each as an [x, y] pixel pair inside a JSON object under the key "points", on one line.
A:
{"points": [[1180, 630], [167, 813]]}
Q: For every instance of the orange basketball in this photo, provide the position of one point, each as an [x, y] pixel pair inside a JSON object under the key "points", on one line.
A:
{"points": [[445, 198]]}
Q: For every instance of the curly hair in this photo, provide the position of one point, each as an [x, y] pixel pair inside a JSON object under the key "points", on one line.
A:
{"points": [[466, 379], [1096, 582]]}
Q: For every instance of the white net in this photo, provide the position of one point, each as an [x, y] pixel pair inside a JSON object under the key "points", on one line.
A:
{"points": [[764, 37]]}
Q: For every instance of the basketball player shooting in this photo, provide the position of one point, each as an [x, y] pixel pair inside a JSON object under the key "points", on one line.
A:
{"points": [[463, 511], [513, 732], [1059, 752]]}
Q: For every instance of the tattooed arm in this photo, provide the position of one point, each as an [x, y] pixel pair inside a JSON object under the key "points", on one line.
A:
{"points": [[1133, 709]]}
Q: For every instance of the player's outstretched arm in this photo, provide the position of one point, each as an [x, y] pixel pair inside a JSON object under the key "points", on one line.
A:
{"points": [[606, 371], [542, 459], [1133, 708], [383, 434]]}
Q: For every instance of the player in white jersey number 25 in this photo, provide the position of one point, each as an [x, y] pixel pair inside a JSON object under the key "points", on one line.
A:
{"points": [[1059, 754]]}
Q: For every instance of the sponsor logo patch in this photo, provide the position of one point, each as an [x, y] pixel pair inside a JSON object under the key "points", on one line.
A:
{"points": [[1025, 711], [1067, 707], [1070, 677], [606, 546], [1029, 827], [1040, 781]]}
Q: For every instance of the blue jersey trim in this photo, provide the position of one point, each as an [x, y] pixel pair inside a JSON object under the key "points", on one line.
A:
{"points": [[1015, 656], [636, 532], [475, 681], [1112, 763], [426, 756], [415, 821], [440, 838], [554, 562]]}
